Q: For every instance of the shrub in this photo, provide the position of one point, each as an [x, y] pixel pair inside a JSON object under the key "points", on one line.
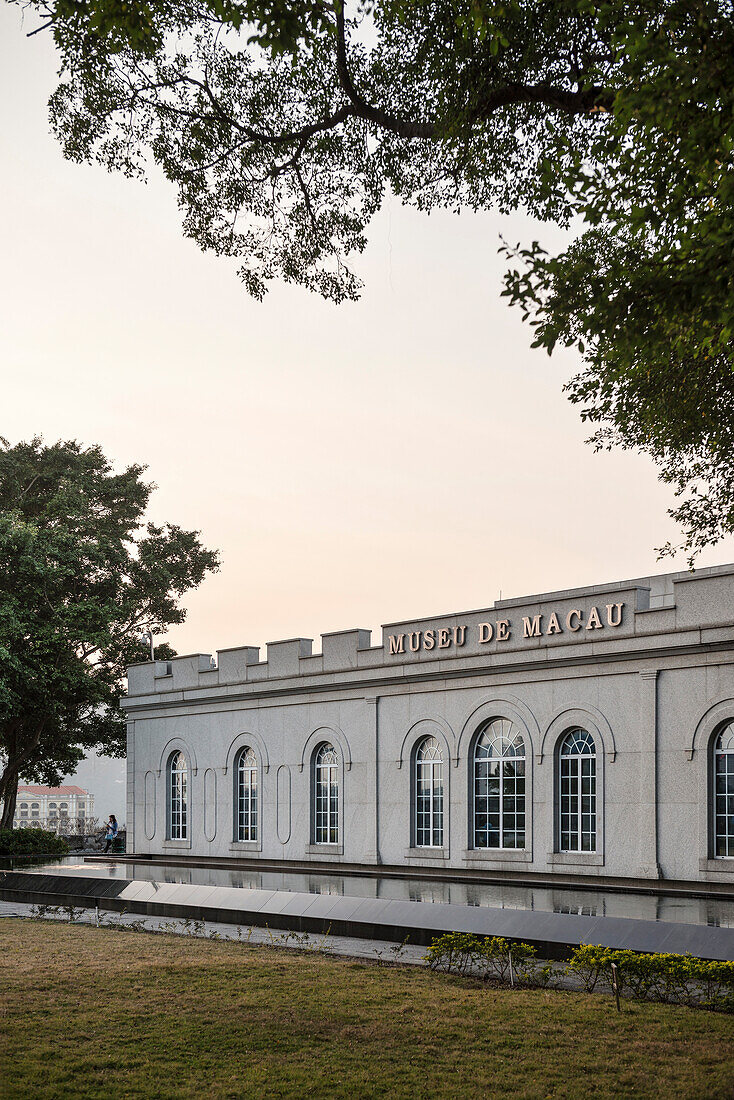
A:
{"points": [[456, 952], [31, 842], [592, 965], [496, 956], [486, 957], [672, 979]]}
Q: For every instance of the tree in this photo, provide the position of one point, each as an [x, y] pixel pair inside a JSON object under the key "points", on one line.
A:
{"points": [[282, 125], [81, 577]]}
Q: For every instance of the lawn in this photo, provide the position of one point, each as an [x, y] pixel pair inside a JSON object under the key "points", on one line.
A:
{"points": [[100, 1013]]}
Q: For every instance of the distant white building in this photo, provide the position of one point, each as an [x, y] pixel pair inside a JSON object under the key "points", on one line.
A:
{"points": [[66, 808]]}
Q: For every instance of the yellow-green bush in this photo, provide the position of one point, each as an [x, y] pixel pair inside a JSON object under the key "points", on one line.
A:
{"points": [[486, 957], [674, 979], [677, 979]]}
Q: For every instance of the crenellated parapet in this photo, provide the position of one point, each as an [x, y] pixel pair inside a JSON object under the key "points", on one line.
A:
{"points": [[692, 607]]}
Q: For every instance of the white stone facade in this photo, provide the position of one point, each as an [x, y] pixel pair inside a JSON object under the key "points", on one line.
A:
{"points": [[644, 668]]}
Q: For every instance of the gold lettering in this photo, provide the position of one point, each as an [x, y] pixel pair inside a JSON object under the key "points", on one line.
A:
{"points": [[429, 639], [610, 618], [503, 630], [579, 615], [594, 622], [444, 638], [459, 635], [554, 627], [531, 627], [486, 632], [414, 641], [397, 643]]}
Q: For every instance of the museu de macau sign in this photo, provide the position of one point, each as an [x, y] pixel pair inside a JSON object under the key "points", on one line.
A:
{"points": [[605, 617]]}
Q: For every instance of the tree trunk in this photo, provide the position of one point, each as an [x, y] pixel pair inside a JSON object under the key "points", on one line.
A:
{"points": [[9, 796], [18, 750]]}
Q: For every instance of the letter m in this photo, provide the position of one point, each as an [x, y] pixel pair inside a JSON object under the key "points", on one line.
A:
{"points": [[531, 627], [397, 643]]}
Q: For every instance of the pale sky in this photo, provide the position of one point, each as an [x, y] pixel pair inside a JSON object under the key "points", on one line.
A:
{"points": [[398, 457]]}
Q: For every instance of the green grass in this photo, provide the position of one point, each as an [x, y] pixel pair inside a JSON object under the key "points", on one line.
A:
{"points": [[98, 1013]]}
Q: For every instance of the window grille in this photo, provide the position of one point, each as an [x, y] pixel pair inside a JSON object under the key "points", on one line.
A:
{"points": [[499, 786], [577, 761], [177, 799], [247, 799], [326, 795], [724, 792], [429, 794]]}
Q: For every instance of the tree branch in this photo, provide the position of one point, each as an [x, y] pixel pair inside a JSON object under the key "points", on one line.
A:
{"points": [[578, 102]]}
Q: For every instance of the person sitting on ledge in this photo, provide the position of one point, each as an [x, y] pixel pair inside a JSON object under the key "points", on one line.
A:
{"points": [[110, 832]]}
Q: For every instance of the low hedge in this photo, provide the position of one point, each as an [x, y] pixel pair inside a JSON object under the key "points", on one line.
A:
{"points": [[487, 957], [673, 979], [31, 842]]}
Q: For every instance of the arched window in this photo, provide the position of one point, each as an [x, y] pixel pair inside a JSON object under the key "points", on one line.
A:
{"points": [[724, 792], [326, 795], [499, 786], [247, 803], [178, 774], [577, 804], [428, 794]]}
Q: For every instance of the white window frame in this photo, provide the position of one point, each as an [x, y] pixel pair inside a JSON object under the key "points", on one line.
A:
{"points": [[570, 772], [247, 803], [722, 753], [326, 795], [177, 809], [503, 738], [429, 794]]}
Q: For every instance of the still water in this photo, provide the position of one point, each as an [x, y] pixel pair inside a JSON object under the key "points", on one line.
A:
{"points": [[587, 902]]}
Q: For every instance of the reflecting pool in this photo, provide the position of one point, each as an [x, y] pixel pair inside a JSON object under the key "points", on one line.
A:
{"points": [[711, 911]]}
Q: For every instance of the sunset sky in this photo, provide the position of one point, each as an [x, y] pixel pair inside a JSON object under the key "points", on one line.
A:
{"points": [[402, 456]]}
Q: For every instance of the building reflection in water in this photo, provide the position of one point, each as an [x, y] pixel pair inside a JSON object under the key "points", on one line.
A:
{"points": [[588, 903], [435, 892], [333, 886], [500, 897], [578, 908]]}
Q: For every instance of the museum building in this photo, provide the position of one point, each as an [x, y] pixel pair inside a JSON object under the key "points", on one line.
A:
{"points": [[587, 732]]}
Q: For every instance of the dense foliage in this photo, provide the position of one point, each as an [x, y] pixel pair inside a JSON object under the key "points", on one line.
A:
{"points": [[282, 126], [81, 577], [31, 842]]}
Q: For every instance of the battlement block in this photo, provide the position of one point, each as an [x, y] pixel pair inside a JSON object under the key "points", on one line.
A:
{"points": [[233, 663], [340, 648], [140, 679], [186, 669], [283, 657]]}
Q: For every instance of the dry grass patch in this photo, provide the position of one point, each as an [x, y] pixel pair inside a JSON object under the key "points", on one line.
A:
{"points": [[96, 1013]]}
